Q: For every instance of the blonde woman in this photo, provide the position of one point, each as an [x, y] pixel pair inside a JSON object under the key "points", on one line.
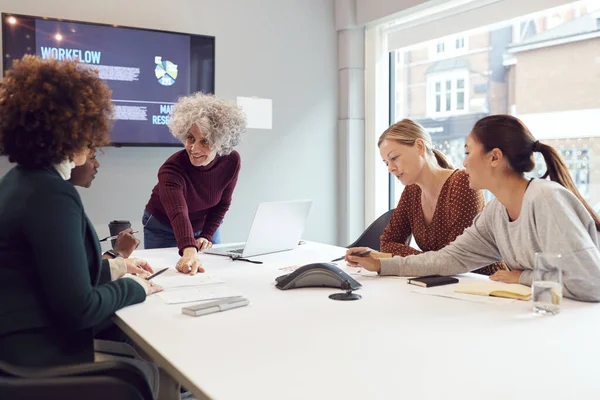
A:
{"points": [[437, 203], [195, 185]]}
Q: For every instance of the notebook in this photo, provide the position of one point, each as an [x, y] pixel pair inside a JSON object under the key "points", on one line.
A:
{"points": [[432, 280], [496, 289]]}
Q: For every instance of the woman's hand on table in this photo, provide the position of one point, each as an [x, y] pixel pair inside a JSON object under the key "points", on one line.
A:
{"points": [[149, 286], [189, 263], [139, 267]]}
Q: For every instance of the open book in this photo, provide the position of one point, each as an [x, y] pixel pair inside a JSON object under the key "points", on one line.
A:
{"points": [[496, 289]]}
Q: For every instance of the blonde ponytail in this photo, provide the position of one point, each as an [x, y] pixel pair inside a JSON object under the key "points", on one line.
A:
{"points": [[442, 160]]}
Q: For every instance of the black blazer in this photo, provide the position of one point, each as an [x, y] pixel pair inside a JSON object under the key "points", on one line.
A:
{"points": [[54, 287]]}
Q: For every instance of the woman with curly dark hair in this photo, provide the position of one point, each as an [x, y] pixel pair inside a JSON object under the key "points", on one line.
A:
{"points": [[54, 288]]}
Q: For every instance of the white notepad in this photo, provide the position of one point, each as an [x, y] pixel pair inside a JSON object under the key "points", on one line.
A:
{"points": [[172, 279], [198, 293]]}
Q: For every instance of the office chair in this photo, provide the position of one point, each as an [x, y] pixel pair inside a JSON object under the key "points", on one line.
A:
{"points": [[370, 237], [110, 380]]}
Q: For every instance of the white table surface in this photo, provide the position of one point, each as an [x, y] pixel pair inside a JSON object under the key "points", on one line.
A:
{"points": [[392, 344]]}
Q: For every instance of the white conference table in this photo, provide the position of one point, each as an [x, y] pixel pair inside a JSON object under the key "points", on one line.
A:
{"points": [[392, 344]]}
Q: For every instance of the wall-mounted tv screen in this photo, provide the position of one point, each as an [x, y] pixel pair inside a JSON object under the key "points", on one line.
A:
{"points": [[147, 70]]}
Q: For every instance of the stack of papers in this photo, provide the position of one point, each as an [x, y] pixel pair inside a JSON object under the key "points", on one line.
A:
{"points": [[182, 288], [173, 279], [197, 293]]}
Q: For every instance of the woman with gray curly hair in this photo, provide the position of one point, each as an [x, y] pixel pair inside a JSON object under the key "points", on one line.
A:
{"points": [[195, 185]]}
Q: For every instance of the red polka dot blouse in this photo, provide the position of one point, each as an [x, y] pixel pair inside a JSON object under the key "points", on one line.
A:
{"points": [[456, 208]]}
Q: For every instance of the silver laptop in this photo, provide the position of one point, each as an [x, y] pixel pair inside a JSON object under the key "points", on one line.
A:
{"points": [[277, 226]]}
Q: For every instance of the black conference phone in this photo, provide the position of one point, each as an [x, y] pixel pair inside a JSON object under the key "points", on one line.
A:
{"points": [[317, 275]]}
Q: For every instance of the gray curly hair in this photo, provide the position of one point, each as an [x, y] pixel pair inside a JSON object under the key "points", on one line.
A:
{"points": [[221, 121]]}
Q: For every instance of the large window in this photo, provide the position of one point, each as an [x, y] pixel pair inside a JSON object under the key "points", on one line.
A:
{"points": [[448, 47], [447, 93], [541, 67]]}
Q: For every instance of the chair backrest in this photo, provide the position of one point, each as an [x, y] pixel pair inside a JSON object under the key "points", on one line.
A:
{"points": [[370, 237], [111, 380]]}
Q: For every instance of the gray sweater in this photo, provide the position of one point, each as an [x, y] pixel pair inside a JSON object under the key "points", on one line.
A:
{"points": [[552, 220]]}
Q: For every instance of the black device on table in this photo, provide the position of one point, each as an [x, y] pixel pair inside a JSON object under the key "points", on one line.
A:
{"points": [[433, 280], [317, 275]]}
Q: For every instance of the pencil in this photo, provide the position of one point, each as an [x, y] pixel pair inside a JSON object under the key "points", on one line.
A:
{"points": [[156, 274], [113, 237], [361, 254]]}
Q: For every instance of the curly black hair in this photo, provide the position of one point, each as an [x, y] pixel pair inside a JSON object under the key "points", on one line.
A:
{"points": [[52, 110]]}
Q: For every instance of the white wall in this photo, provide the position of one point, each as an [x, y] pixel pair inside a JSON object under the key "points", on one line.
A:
{"points": [[283, 50], [368, 11]]}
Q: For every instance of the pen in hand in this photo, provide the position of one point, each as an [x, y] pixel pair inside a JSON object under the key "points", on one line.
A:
{"points": [[113, 237], [361, 254], [156, 274]]}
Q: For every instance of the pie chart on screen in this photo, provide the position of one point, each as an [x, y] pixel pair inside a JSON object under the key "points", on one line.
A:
{"points": [[165, 71]]}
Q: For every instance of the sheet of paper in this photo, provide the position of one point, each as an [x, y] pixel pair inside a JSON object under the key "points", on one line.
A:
{"points": [[173, 279], [198, 293], [357, 271], [259, 112], [448, 291]]}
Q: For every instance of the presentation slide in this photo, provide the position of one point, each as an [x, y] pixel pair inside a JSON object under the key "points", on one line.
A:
{"points": [[146, 70]]}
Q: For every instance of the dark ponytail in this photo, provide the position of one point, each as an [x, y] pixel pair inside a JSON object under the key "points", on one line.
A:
{"points": [[557, 171], [516, 142]]}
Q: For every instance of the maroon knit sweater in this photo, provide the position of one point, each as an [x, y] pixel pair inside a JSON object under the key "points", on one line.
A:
{"points": [[192, 199]]}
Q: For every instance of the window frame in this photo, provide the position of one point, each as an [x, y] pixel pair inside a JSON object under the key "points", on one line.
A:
{"points": [[449, 47], [424, 24], [432, 94]]}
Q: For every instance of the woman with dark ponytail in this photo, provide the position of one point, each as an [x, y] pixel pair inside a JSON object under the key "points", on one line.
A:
{"points": [[527, 216], [437, 204], [558, 171]]}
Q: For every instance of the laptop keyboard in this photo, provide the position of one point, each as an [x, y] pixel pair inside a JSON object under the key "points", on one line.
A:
{"points": [[237, 251]]}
